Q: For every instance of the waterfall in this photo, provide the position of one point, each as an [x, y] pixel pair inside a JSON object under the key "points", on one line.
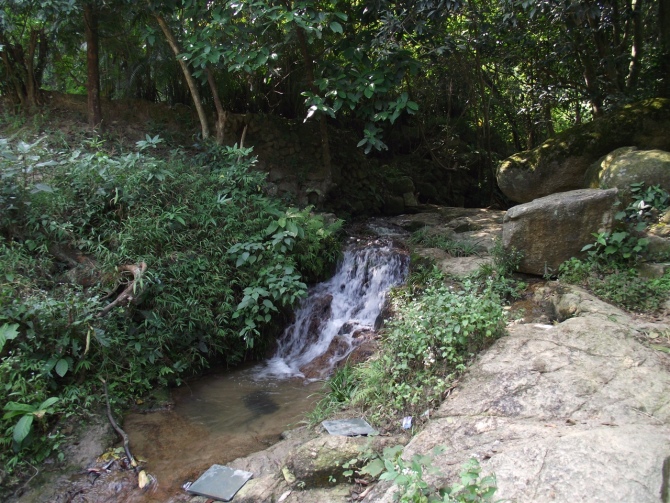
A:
{"points": [[339, 311]]}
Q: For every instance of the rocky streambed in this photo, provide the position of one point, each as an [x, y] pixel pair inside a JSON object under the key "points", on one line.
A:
{"points": [[572, 405]]}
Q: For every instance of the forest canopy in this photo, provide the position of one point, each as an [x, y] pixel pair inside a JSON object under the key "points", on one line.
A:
{"points": [[522, 68]]}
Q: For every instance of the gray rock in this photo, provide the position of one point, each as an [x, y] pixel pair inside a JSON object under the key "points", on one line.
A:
{"points": [[552, 229], [572, 412]]}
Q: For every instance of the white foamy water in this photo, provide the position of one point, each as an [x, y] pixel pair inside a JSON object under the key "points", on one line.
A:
{"points": [[350, 302]]}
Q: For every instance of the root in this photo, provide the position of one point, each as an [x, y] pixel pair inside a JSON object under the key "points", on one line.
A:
{"points": [[128, 293], [117, 428]]}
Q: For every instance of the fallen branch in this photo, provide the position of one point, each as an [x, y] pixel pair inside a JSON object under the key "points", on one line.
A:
{"points": [[117, 428], [128, 292]]}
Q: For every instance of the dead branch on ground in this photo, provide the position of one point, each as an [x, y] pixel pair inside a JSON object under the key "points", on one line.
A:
{"points": [[128, 293]]}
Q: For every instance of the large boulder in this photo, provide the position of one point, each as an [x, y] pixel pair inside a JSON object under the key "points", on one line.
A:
{"points": [[552, 229], [559, 164], [627, 165]]}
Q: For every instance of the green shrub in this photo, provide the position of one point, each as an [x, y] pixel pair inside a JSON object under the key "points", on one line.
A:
{"points": [[453, 247], [575, 271], [409, 477], [629, 290], [224, 263], [337, 392], [425, 347]]}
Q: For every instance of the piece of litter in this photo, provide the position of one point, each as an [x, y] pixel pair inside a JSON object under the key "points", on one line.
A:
{"points": [[407, 422], [543, 327], [349, 427], [284, 496], [220, 483]]}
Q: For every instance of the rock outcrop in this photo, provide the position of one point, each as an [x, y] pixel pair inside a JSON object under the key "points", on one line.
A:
{"points": [[552, 229], [559, 164], [576, 411]]}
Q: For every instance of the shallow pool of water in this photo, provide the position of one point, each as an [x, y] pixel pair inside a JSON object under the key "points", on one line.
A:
{"points": [[215, 420]]}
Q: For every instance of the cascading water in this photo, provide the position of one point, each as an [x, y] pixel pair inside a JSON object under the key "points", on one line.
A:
{"points": [[336, 312]]}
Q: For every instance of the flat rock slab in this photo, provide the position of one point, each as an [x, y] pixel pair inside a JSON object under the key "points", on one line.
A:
{"points": [[349, 427], [577, 412], [220, 483]]}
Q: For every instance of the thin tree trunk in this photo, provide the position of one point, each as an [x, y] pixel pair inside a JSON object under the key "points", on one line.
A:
{"points": [[92, 67], [221, 114], [9, 61], [637, 47], [195, 95], [31, 91]]}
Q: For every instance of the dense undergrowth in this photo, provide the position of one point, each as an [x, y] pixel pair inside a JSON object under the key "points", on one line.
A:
{"points": [[224, 262]]}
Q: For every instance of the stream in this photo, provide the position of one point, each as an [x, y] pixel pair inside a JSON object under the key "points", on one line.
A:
{"points": [[225, 416]]}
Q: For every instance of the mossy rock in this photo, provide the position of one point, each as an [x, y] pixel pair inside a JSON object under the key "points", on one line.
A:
{"points": [[625, 166], [560, 163], [320, 461]]}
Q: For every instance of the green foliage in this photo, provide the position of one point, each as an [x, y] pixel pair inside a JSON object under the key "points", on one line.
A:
{"points": [[621, 248], [630, 291], [647, 202], [505, 262], [85, 213], [428, 343], [337, 392], [497, 276], [624, 288], [453, 247], [409, 477], [575, 271], [625, 247], [27, 412]]}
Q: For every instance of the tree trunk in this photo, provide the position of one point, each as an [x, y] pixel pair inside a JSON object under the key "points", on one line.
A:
{"points": [[92, 67], [221, 114], [636, 48], [195, 95]]}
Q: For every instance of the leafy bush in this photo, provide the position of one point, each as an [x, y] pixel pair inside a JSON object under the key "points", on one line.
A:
{"points": [[575, 271], [647, 204], [337, 392], [612, 249], [425, 347], [451, 246], [498, 275], [630, 291], [224, 262], [408, 476]]}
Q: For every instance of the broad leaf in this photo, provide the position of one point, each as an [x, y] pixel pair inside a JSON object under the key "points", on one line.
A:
{"points": [[22, 428], [62, 367], [48, 402]]}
